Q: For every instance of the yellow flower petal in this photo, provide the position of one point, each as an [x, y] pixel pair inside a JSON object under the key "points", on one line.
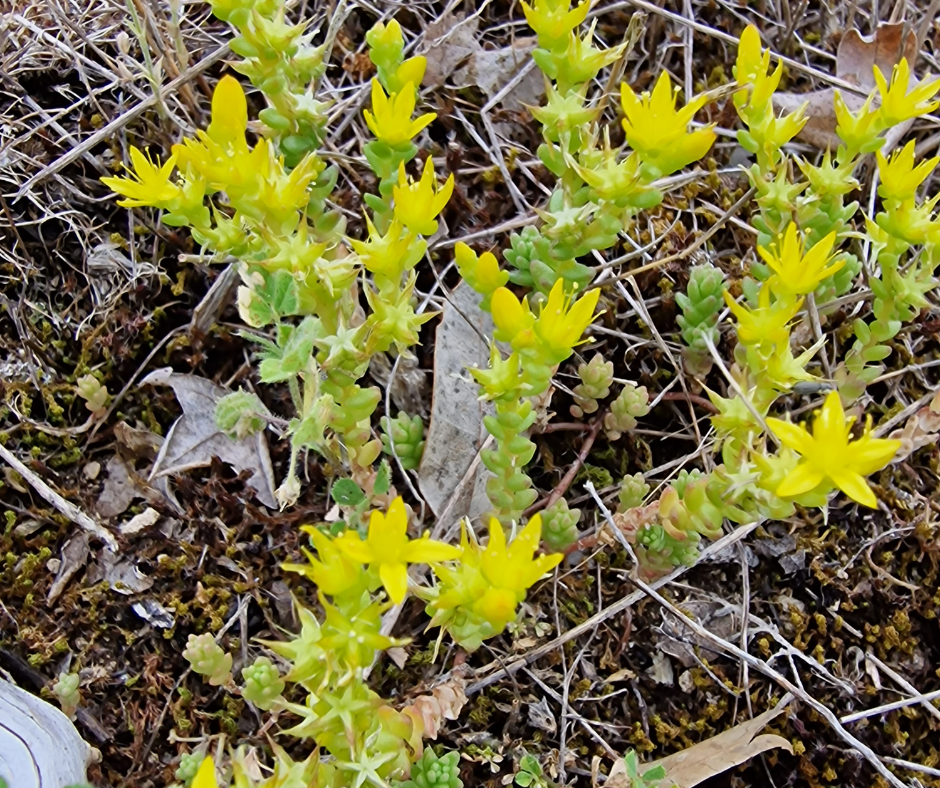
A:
{"points": [[497, 543], [791, 435], [510, 315], [205, 776], [229, 112], [801, 479], [412, 70], [855, 486], [527, 541], [395, 579], [350, 543], [429, 551], [872, 454]]}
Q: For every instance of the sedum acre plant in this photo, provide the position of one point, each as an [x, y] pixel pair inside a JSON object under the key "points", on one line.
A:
{"points": [[321, 303], [478, 592], [599, 190], [267, 205], [802, 228]]}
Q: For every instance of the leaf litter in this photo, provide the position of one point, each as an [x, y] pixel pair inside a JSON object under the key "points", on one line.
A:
{"points": [[456, 432], [194, 439]]}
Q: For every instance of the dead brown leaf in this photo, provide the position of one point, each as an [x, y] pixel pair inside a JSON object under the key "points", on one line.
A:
{"points": [[74, 556], [921, 429], [119, 489], [455, 55], [456, 431], [713, 756], [445, 702], [194, 439]]}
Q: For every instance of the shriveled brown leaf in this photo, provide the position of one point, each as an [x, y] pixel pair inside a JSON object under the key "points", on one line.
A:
{"points": [[194, 439], [712, 756], [120, 572], [119, 489], [452, 40], [456, 56], [858, 54], [678, 642], [218, 297], [855, 59], [445, 702], [74, 556], [921, 429], [456, 431]]}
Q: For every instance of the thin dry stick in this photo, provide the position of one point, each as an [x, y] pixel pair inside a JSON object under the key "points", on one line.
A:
{"points": [[71, 511], [898, 704], [568, 478], [758, 664], [903, 683]]}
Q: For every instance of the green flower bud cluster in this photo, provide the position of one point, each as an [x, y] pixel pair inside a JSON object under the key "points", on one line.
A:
{"points": [[700, 304], [207, 658], [560, 526], [66, 691], [433, 771], [406, 434], [240, 414], [596, 376], [189, 765], [633, 490], [699, 502], [538, 263], [632, 403], [576, 227], [90, 389], [898, 296], [328, 659], [263, 683]]}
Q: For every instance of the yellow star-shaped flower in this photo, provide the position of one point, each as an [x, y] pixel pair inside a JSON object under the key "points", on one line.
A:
{"points": [[562, 320], [827, 454], [148, 184], [766, 323], [795, 273], [553, 20], [390, 119], [659, 132], [511, 570], [417, 204], [899, 105], [388, 547], [899, 177]]}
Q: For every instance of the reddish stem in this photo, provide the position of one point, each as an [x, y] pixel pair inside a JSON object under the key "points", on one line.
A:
{"points": [[681, 396], [568, 478]]}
